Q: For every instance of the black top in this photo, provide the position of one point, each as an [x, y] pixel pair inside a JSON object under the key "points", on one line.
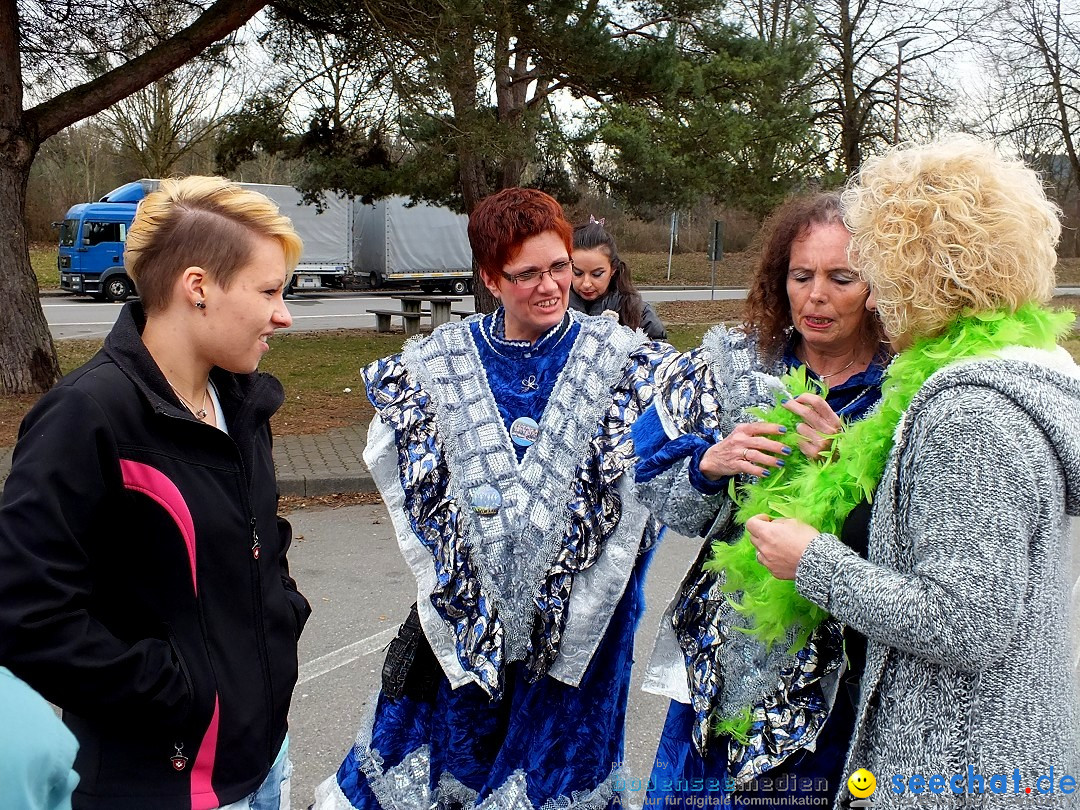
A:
{"points": [[855, 534], [143, 580], [651, 324]]}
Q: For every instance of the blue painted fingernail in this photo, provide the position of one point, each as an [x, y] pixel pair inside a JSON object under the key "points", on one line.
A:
{"points": [[785, 399], [779, 463], [783, 429], [765, 473], [787, 451]]}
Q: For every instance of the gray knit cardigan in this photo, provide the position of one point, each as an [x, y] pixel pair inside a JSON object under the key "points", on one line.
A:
{"points": [[965, 595]]}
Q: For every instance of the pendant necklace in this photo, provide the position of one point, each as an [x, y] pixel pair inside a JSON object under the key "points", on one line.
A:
{"points": [[200, 413], [838, 371]]}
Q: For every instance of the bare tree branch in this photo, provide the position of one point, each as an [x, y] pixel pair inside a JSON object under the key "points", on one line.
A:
{"points": [[218, 21]]}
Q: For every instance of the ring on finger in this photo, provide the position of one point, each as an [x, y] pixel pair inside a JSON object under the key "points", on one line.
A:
{"points": [[744, 452]]}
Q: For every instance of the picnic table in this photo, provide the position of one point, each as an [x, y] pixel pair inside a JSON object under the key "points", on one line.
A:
{"points": [[412, 310], [440, 305]]}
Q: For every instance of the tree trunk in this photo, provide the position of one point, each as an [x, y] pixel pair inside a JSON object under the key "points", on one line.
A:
{"points": [[473, 189], [462, 81], [511, 94], [28, 363]]}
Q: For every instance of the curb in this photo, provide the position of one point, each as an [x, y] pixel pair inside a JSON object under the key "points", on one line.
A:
{"points": [[299, 486], [304, 486]]}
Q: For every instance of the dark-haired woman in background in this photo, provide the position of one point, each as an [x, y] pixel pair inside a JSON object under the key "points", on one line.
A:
{"points": [[602, 282]]}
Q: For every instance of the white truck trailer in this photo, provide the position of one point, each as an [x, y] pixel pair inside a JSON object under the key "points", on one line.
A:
{"points": [[327, 232], [397, 244]]}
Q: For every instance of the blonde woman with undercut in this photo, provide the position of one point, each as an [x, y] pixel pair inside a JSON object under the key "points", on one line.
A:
{"points": [[144, 587], [972, 464]]}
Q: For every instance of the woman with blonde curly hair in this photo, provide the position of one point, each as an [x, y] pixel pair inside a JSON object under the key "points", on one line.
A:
{"points": [[972, 465]]}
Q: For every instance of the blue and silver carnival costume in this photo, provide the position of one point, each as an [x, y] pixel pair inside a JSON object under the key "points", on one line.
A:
{"points": [[529, 555], [802, 714]]}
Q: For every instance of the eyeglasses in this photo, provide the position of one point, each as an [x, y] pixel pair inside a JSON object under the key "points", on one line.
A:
{"points": [[532, 278]]}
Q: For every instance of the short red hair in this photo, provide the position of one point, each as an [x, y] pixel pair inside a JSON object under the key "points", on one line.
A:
{"points": [[502, 222]]}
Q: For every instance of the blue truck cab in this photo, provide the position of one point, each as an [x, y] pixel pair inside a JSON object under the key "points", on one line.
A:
{"points": [[92, 236]]}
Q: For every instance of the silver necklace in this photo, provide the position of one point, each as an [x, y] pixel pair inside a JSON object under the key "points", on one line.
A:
{"points": [[838, 371], [200, 413]]}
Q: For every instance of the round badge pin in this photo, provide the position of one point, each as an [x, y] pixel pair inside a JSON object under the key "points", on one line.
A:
{"points": [[485, 500], [524, 431]]}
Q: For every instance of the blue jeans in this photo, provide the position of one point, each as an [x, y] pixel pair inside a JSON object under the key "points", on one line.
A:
{"points": [[274, 792]]}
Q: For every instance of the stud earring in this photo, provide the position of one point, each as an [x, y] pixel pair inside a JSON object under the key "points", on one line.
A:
{"points": [[200, 305]]}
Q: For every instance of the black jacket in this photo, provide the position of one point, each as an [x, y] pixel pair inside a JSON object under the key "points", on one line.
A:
{"points": [[651, 324], [143, 581]]}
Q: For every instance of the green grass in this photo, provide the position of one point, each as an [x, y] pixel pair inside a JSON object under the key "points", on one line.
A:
{"points": [[685, 337], [316, 368], [73, 353], [43, 260], [325, 361], [691, 269]]}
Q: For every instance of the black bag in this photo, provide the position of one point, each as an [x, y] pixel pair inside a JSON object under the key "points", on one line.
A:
{"points": [[410, 667]]}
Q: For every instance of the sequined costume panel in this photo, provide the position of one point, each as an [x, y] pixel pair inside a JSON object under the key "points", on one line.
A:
{"points": [[542, 745]]}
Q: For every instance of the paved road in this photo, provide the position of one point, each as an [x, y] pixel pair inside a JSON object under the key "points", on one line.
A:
{"points": [[347, 563], [76, 317], [349, 566]]}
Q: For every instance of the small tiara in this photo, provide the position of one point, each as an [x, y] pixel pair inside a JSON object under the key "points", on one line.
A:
{"points": [[594, 221]]}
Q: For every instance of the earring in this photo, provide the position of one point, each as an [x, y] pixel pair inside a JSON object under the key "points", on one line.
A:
{"points": [[200, 305]]}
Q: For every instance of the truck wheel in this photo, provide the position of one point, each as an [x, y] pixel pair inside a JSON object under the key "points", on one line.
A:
{"points": [[373, 280], [117, 288], [459, 287], [290, 288]]}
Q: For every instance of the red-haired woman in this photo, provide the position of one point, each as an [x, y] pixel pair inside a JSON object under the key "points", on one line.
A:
{"points": [[502, 448]]}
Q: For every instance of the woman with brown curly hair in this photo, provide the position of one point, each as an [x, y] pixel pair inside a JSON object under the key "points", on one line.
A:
{"points": [[750, 716]]}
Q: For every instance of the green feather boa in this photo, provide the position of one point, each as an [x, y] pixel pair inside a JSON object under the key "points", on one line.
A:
{"points": [[823, 493]]}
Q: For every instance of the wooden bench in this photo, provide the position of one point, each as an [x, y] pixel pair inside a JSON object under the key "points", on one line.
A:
{"points": [[411, 320], [462, 313]]}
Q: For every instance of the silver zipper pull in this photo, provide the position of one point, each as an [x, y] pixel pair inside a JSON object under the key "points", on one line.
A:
{"points": [[256, 549]]}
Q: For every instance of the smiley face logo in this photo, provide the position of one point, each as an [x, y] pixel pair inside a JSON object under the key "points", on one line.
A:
{"points": [[862, 783]]}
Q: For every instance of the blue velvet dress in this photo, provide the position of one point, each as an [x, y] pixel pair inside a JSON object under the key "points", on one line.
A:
{"points": [[528, 703], [800, 736]]}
